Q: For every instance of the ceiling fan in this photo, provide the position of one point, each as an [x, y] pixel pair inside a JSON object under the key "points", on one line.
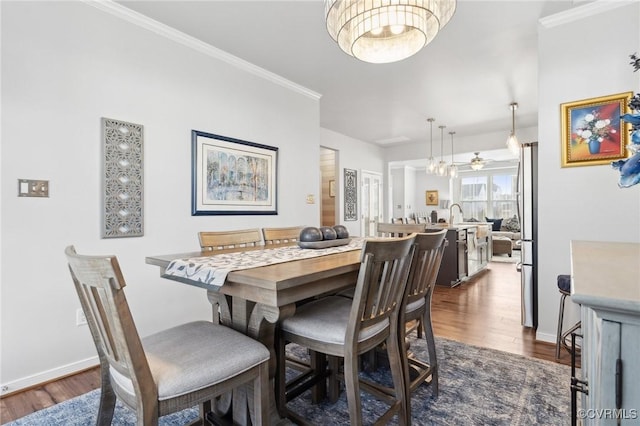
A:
{"points": [[477, 162]]}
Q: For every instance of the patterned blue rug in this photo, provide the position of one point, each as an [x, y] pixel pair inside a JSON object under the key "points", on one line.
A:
{"points": [[477, 387]]}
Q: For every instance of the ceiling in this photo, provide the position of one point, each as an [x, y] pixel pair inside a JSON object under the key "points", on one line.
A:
{"points": [[484, 59]]}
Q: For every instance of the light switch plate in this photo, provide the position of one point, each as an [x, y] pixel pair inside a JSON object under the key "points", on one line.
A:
{"points": [[33, 188]]}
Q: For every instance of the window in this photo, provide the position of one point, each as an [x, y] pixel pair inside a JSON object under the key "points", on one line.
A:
{"points": [[488, 194]]}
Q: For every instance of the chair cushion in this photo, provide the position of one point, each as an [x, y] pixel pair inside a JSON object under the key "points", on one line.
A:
{"points": [[564, 283], [415, 305], [325, 320], [195, 355]]}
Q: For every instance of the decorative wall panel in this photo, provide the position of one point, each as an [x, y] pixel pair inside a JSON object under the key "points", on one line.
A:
{"points": [[350, 194], [123, 179]]}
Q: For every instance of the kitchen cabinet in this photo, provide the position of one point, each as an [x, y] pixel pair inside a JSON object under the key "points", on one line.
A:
{"points": [[606, 284], [466, 254]]}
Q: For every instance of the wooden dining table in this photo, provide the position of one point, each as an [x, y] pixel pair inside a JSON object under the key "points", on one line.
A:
{"points": [[254, 300]]}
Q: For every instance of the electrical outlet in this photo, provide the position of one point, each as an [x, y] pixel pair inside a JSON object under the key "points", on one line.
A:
{"points": [[80, 318]]}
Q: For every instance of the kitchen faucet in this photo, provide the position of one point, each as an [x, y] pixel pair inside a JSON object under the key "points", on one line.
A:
{"points": [[451, 212]]}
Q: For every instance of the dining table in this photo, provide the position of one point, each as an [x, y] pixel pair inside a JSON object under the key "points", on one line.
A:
{"points": [[253, 296]]}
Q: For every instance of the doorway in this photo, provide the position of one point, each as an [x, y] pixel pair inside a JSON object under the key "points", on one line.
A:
{"points": [[328, 186], [371, 200]]}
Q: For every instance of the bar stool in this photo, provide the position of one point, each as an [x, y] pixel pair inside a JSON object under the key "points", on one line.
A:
{"points": [[564, 286]]}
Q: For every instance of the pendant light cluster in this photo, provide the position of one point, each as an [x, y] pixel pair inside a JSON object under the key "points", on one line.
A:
{"points": [[440, 168]]}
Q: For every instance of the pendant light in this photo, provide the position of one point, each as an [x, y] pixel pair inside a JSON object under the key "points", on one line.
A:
{"points": [[512, 142], [442, 165], [453, 170], [432, 164]]}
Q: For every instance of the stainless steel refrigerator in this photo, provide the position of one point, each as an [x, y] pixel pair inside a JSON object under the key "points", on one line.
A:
{"points": [[528, 215]]}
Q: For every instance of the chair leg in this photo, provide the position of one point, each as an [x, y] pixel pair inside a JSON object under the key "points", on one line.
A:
{"points": [[431, 348], [560, 320], [352, 388], [398, 367], [280, 378], [261, 397], [107, 397], [334, 383]]}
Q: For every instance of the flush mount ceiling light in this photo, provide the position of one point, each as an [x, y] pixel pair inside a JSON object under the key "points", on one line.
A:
{"points": [[512, 142], [383, 31]]}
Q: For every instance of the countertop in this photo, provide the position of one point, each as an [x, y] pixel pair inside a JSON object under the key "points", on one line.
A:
{"points": [[461, 225], [606, 275]]}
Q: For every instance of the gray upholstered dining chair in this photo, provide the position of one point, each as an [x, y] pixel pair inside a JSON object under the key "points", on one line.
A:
{"points": [[281, 235], [427, 257], [171, 370], [344, 328], [218, 240]]}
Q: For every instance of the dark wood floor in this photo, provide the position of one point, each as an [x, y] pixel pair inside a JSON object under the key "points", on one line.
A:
{"points": [[484, 312]]}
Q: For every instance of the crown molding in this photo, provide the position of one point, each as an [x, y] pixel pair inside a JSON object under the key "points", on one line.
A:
{"points": [[170, 33], [583, 11]]}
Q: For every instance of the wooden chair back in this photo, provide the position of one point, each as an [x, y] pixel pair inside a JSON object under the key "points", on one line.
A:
{"points": [[398, 229], [397, 220], [229, 239], [409, 220], [425, 265], [380, 286], [99, 283], [281, 235]]}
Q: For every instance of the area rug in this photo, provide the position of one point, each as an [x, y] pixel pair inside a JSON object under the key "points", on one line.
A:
{"points": [[478, 386]]}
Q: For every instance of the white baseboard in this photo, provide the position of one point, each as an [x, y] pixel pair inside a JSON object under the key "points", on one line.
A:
{"points": [[47, 376], [544, 337]]}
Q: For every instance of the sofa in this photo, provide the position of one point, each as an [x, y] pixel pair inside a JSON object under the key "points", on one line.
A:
{"points": [[509, 227], [504, 234]]}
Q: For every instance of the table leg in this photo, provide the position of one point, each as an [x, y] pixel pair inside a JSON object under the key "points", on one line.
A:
{"points": [[257, 321]]}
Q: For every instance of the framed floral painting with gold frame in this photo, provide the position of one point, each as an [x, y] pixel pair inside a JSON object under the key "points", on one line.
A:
{"points": [[592, 132], [431, 198]]}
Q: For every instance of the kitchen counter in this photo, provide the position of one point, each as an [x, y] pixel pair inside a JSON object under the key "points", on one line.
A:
{"points": [[606, 274], [605, 281], [467, 253]]}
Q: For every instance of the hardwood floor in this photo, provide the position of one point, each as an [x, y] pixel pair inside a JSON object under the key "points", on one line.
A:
{"points": [[483, 312]]}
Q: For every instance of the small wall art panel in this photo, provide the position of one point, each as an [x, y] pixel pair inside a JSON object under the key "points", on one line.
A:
{"points": [[123, 179], [232, 176], [350, 194]]}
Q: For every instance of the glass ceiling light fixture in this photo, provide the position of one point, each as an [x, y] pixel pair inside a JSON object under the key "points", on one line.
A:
{"points": [[432, 164], [442, 165], [477, 163], [453, 170], [512, 142], [383, 31]]}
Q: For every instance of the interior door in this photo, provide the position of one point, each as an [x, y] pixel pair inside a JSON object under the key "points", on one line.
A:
{"points": [[371, 203]]}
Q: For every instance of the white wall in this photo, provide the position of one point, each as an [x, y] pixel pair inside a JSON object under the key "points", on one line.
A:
{"points": [[352, 154], [425, 182], [581, 59], [64, 66]]}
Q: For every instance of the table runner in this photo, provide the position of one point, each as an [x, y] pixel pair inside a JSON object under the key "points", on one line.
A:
{"points": [[213, 270]]}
